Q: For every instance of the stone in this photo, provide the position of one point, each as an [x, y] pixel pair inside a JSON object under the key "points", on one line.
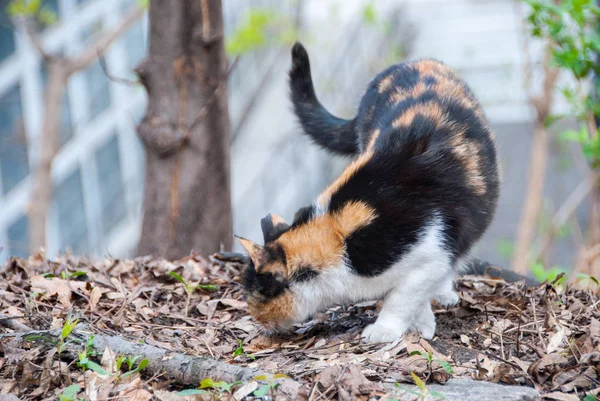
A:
{"points": [[473, 390]]}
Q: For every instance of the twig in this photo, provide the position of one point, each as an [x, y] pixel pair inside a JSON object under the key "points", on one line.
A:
{"points": [[535, 320], [564, 213], [208, 103], [91, 53], [11, 323], [125, 81]]}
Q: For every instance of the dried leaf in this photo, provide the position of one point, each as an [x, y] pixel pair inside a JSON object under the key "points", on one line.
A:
{"points": [[63, 289], [556, 341]]}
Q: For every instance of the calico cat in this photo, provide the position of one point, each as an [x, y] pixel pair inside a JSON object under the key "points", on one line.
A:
{"points": [[399, 222]]}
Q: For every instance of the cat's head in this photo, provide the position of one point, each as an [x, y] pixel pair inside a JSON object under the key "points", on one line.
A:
{"points": [[282, 278], [270, 276]]}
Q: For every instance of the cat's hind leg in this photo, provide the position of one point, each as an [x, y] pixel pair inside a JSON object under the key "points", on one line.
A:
{"points": [[446, 294]]}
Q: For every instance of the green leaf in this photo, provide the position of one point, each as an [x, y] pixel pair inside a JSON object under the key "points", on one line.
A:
{"points": [[260, 378], [583, 276], [192, 391], [143, 364], [37, 337], [77, 274], [369, 14], [417, 352], [446, 366], [23, 8], [143, 3], [178, 278], [262, 391], [239, 350], [207, 383], [96, 368], [251, 35], [48, 276], [590, 397], [119, 362], [207, 287], [419, 383], [280, 376], [70, 392], [68, 328], [47, 17]]}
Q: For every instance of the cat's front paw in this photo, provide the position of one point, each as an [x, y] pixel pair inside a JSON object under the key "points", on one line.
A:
{"points": [[381, 333], [447, 299], [424, 324]]}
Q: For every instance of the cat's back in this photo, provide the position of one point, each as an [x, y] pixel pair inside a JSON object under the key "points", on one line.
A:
{"points": [[415, 91]]}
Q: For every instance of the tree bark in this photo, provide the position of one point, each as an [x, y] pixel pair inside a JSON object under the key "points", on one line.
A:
{"points": [[185, 132]]}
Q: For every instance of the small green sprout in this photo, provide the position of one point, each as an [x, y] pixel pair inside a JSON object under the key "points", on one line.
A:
{"points": [[85, 363], [130, 362], [190, 288], [217, 387], [430, 360], [270, 384], [239, 351], [542, 274]]}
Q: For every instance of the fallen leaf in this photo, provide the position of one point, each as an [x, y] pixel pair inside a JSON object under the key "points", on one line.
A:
{"points": [[465, 340], [63, 289], [555, 341], [561, 396], [95, 296], [245, 390], [234, 303]]}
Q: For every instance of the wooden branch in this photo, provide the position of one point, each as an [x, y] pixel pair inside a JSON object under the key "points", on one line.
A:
{"points": [[564, 213], [532, 204], [91, 53], [185, 369], [34, 37]]}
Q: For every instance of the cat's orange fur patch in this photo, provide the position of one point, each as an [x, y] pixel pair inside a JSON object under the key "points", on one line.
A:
{"points": [[372, 140], [350, 170], [320, 242], [254, 250], [467, 152], [277, 219], [429, 109], [278, 309], [386, 83]]}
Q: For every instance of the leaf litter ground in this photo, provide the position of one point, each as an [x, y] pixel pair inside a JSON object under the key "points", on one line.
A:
{"points": [[547, 337]]}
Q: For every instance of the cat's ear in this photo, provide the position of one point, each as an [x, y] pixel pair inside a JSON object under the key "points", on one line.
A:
{"points": [[272, 227], [255, 251]]}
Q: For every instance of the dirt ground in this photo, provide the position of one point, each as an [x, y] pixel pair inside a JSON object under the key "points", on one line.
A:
{"points": [[547, 337]]}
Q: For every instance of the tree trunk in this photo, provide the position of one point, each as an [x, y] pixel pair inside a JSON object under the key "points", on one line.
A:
{"points": [[187, 200], [41, 194]]}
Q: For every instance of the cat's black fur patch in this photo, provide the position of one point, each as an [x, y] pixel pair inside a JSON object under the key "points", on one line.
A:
{"points": [[325, 129], [272, 231], [268, 285], [303, 215], [303, 274]]}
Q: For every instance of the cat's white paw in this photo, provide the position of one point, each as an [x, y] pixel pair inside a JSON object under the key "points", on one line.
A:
{"points": [[448, 298], [424, 324], [381, 333]]}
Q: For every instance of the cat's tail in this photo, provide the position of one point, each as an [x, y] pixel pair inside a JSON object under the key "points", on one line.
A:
{"points": [[332, 133]]}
